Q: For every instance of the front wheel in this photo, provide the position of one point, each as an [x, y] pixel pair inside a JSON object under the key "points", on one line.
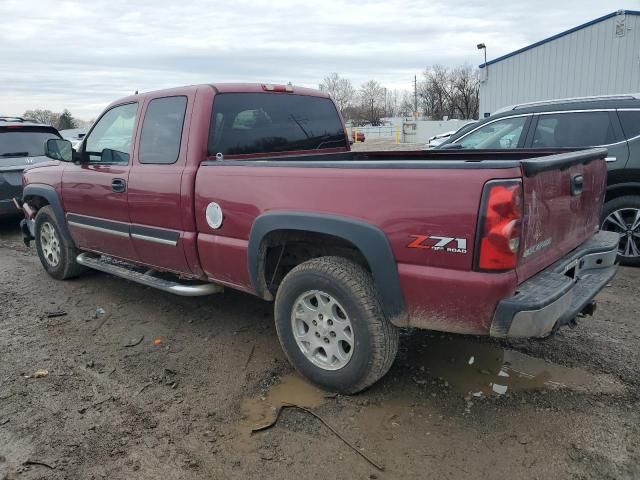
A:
{"points": [[622, 215], [331, 325], [57, 254]]}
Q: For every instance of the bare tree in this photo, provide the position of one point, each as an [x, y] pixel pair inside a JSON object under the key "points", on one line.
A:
{"points": [[393, 103], [451, 93], [406, 106], [434, 92], [61, 121], [371, 100], [340, 89], [466, 87], [43, 116]]}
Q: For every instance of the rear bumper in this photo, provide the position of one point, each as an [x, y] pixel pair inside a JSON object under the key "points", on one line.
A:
{"points": [[555, 296]]}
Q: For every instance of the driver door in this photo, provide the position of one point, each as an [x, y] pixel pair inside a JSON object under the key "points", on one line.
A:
{"points": [[94, 190]]}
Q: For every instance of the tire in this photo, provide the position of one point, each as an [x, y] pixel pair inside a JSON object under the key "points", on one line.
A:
{"points": [[619, 216], [351, 306], [57, 254]]}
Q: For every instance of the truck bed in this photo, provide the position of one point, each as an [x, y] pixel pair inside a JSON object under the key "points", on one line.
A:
{"points": [[405, 194], [533, 161]]}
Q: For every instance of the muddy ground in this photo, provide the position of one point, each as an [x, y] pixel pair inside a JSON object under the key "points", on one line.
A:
{"points": [[145, 385]]}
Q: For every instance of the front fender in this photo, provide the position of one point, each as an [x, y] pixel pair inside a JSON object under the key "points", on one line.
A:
{"points": [[51, 196]]}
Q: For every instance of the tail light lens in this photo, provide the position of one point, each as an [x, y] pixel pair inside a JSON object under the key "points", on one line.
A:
{"points": [[269, 87], [500, 225]]}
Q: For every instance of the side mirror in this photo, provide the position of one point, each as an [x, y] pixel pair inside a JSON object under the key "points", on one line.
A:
{"points": [[59, 149], [109, 156]]}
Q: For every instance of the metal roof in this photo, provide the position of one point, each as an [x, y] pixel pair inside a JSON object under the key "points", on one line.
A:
{"points": [[562, 34]]}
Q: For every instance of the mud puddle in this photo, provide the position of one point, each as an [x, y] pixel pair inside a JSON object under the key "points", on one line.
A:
{"points": [[292, 389], [486, 369]]}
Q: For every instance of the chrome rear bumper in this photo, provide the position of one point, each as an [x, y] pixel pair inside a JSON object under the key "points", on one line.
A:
{"points": [[555, 296]]}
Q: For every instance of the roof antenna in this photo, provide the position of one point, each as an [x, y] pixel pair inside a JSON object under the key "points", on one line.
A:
{"points": [[136, 92]]}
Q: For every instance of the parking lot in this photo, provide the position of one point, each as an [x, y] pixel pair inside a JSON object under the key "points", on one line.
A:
{"points": [[102, 378]]}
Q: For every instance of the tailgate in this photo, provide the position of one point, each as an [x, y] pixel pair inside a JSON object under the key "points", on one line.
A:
{"points": [[563, 197]]}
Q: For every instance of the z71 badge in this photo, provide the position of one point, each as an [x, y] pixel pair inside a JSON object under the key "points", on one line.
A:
{"points": [[438, 243]]}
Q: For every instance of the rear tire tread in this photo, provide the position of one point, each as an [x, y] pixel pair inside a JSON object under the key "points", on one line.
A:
{"points": [[359, 283]]}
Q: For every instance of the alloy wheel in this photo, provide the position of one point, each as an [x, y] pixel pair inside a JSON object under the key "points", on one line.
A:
{"points": [[322, 330], [626, 223], [50, 244]]}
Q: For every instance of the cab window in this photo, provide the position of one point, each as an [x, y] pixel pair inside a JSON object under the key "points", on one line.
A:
{"points": [[497, 135], [162, 130], [114, 131], [249, 123]]}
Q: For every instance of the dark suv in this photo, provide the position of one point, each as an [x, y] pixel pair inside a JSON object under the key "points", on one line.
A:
{"points": [[611, 121], [21, 144]]}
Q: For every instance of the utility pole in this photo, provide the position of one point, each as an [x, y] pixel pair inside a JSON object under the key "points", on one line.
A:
{"points": [[372, 114], [385, 102], [415, 96]]}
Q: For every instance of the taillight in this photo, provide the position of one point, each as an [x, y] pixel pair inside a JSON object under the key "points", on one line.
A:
{"points": [[269, 87], [499, 225]]}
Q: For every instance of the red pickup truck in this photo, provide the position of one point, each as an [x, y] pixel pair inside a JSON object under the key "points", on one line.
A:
{"points": [[254, 187]]}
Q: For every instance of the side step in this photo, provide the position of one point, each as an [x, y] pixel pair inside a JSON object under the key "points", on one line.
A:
{"points": [[130, 272]]}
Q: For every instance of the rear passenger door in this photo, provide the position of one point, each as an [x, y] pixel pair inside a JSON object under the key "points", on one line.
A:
{"points": [[159, 201], [581, 129]]}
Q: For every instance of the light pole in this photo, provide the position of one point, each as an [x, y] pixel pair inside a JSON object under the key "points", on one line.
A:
{"points": [[482, 46]]}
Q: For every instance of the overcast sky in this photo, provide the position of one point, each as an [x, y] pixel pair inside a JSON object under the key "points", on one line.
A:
{"points": [[81, 55]]}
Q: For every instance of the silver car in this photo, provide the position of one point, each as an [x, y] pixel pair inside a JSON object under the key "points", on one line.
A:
{"points": [[22, 144]]}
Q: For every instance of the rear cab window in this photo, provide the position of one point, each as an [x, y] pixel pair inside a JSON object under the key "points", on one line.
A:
{"points": [[254, 123], [27, 141]]}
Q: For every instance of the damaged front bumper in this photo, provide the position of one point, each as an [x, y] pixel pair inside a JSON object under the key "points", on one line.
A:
{"points": [[28, 223], [557, 295]]}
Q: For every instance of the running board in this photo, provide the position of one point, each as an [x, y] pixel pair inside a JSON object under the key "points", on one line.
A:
{"points": [[128, 271]]}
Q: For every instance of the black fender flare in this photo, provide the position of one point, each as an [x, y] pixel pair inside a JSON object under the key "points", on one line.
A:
{"points": [[369, 239], [51, 196]]}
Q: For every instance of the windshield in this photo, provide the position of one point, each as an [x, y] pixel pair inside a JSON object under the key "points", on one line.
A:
{"points": [[24, 142]]}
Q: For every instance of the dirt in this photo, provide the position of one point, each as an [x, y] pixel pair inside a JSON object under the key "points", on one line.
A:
{"points": [[140, 384]]}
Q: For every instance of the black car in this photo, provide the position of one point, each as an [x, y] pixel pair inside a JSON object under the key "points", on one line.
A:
{"points": [[21, 144], [607, 121]]}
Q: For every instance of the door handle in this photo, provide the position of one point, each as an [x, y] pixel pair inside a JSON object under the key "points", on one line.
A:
{"points": [[118, 185], [576, 185], [610, 159]]}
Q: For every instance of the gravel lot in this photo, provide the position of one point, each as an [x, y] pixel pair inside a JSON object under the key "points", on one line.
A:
{"points": [[140, 384]]}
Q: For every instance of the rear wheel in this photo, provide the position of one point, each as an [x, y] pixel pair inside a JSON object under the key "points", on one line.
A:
{"points": [[331, 325], [622, 215], [57, 254]]}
